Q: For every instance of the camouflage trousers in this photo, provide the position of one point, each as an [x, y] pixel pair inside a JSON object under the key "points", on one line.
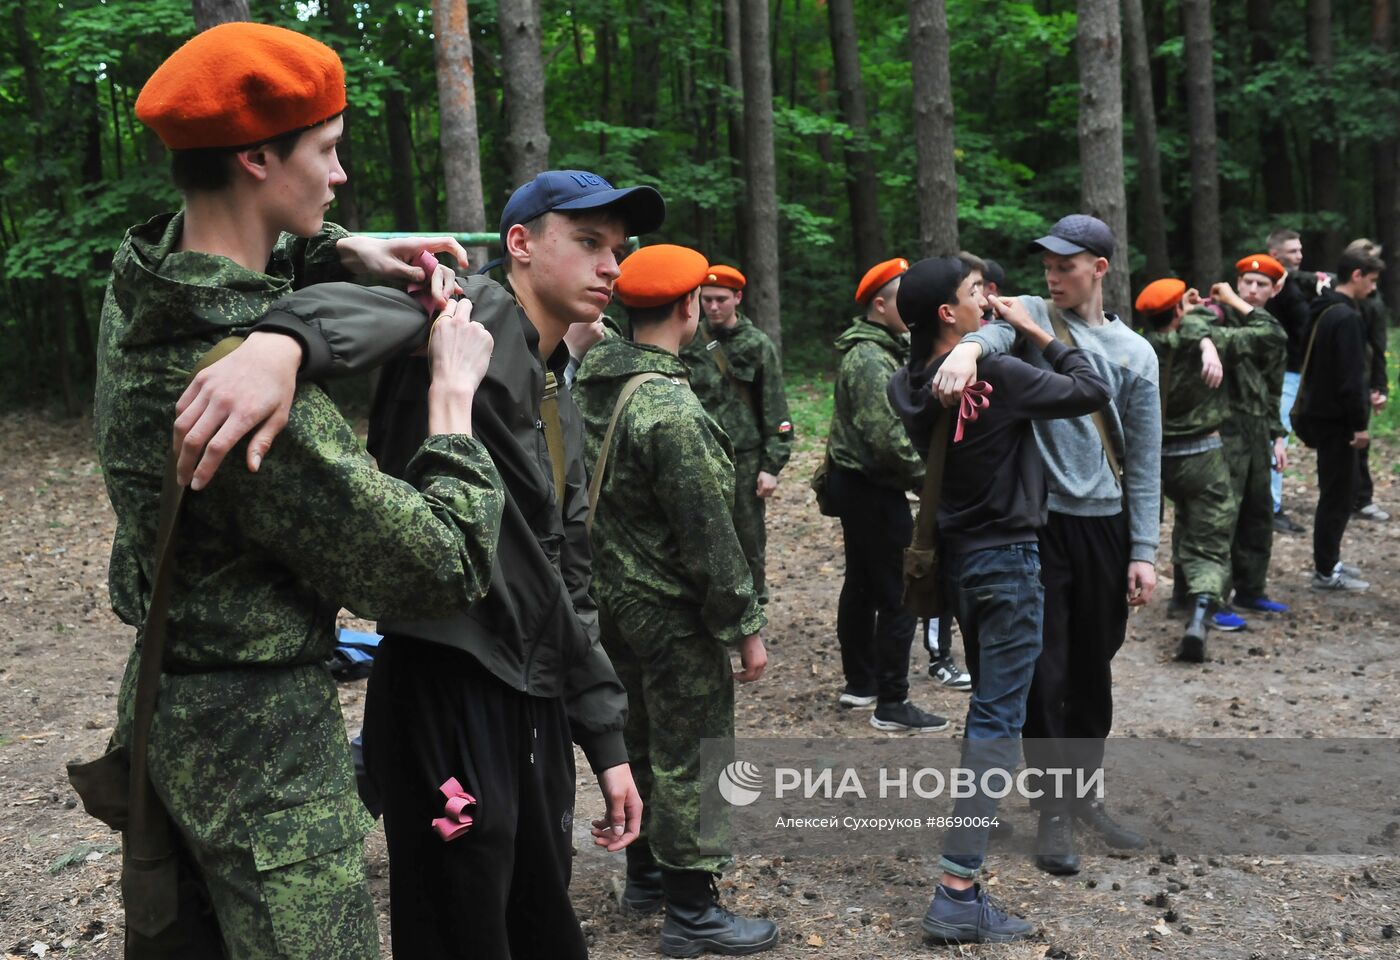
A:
{"points": [[254, 769], [680, 691], [749, 516], [1198, 485], [1248, 455]]}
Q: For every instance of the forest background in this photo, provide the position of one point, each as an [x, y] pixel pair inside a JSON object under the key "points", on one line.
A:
{"points": [[802, 140]]}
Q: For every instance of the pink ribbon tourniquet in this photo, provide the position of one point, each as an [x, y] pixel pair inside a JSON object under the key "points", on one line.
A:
{"points": [[422, 290], [457, 820], [976, 397]]}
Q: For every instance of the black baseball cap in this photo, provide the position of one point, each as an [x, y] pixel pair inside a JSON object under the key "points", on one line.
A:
{"points": [[928, 285], [994, 273], [642, 208], [1078, 233]]}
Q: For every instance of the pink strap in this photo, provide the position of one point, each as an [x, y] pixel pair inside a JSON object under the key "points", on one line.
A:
{"points": [[422, 290], [458, 819], [976, 397]]}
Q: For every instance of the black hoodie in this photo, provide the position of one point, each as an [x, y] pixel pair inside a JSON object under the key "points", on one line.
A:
{"points": [[1334, 397]]}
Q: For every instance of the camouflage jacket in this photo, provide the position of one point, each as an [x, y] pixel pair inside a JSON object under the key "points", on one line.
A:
{"points": [[536, 629], [667, 554], [866, 435], [1255, 381], [750, 404], [1190, 407], [266, 560]]}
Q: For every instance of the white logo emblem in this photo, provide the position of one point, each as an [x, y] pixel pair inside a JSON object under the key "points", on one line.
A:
{"points": [[740, 783]]}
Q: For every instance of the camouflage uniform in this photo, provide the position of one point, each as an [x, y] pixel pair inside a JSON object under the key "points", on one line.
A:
{"points": [[751, 405], [866, 436], [673, 589], [1195, 476], [248, 749], [1254, 386]]}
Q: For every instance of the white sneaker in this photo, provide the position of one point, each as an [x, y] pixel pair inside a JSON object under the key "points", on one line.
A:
{"points": [[1372, 512], [946, 671], [856, 701], [1338, 579]]}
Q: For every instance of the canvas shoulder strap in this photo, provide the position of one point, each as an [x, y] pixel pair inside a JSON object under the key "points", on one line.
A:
{"points": [[1100, 423], [147, 833], [1307, 356], [595, 485], [553, 433], [933, 483], [716, 350]]}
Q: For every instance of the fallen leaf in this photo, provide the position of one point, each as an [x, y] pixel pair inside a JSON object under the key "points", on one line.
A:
{"points": [[815, 940]]}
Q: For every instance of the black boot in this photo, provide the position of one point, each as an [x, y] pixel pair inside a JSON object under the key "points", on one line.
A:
{"points": [[1054, 845], [1180, 604], [643, 892], [1193, 641], [1093, 816], [695, 922]]}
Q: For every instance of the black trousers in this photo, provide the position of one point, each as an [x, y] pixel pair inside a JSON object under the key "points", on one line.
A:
{"points": [[1365, 487], [500, 891], [1337, 465], [1084, 568], [874, 629]]}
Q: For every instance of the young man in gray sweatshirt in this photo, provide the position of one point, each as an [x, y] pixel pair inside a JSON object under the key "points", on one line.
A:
{"points": [[1100, 542]]}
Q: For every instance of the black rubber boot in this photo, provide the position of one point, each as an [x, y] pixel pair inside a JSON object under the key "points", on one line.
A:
{"points": [[1193, 641], [1180, 604], [696, 923], [643, 891]]}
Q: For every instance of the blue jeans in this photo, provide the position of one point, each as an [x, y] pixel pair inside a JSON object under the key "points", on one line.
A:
{"points": [[1000, 604], [1290, 393]]}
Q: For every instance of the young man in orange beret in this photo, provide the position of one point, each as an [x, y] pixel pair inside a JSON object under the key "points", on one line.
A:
{"points": [[674, 592], [1253, 433], [735, 371], [247, 753], [872, 466], [1193, 353], [1333, 411]]}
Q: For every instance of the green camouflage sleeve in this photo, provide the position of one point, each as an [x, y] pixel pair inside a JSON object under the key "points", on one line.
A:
{"points": [[694, 478], [376, 545], [876, 421], [775, 420], [1258, 337]]}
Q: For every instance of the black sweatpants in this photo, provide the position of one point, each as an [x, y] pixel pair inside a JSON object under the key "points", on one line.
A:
{"points": [[1365, 486], [874, 629], [500, 891], [1337, 465], [1084, 567]]}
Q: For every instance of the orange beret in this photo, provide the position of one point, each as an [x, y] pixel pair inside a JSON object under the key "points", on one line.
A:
{"points": [[1160, 295], [1261, 263], [238, 84], [879, 275], [656, 275], [724, 276]]}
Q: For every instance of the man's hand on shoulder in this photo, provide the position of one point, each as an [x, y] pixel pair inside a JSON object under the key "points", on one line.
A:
{"points": [[622, 821], [957, 371], [1014, 312], [251, 388]]}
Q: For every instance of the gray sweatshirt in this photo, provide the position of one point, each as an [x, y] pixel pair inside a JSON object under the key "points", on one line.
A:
{"points": [[1080, 479]]}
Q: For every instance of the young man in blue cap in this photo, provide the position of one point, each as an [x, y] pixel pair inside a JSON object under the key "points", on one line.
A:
{"points": [[1100, 541], [491, 699]]}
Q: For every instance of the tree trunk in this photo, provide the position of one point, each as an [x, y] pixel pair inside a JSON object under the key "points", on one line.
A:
{"points": [[403, 180], [1152, 217], [1279, 193], [933, 128], [1206, 256], [522, 73], [861, 189], [1324, 156], [211, 13], [734, 79], [1100, 52], [1383, 157], [761, 182], [461, 147]]}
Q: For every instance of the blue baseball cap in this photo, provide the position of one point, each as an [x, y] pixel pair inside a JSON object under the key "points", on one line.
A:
{"points": [[1078, 233], [641, 208]]}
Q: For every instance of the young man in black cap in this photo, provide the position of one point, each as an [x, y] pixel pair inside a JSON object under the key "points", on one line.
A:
{"points": [[992, 504], [483, 706], [1100, 541]]}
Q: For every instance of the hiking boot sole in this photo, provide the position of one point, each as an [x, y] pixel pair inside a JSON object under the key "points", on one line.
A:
{"points": [[673, 947], [890, 726], [936, 931]]}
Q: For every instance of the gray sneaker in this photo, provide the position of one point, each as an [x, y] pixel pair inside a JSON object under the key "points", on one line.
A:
{"points": [[1372, 512], [895, 717], [1338, 579], [978, 921]]}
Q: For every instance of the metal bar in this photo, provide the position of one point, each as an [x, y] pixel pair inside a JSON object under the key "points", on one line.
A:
{"points": [[465, 239]]}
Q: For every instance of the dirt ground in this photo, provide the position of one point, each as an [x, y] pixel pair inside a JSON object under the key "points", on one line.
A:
{"points": [[1328, 668]]}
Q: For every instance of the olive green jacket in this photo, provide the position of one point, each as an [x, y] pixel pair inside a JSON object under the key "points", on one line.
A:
{"points": [[866, 435]]}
